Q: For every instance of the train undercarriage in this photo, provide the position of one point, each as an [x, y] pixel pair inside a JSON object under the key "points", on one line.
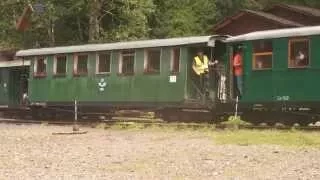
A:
{"points": [[255, 114]]}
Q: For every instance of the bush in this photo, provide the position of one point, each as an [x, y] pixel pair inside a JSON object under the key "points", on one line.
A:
{"points": [[234, 122]]}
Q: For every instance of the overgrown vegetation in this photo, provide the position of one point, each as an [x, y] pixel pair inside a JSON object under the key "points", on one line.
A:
{"points": [[82, 21], [235, 122]]}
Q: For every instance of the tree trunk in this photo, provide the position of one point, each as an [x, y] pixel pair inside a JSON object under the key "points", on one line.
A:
{"points": [[52, 33], [79, 29], [94, 24]]}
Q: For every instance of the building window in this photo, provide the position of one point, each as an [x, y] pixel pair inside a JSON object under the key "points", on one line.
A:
{"points": [[103, 64], [126, 62], [262, 55], [60, 65], [81, 64], [40, 66], [175, 60], [298, 53], [152, 60]]}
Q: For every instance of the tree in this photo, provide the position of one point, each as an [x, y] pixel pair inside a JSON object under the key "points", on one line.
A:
{"points": [[127, 20], [66, 22], [9, 13], [229, 7], [182, 17]]}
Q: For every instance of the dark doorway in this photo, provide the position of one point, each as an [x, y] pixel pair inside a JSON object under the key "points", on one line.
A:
{"points": [[18, 84]]}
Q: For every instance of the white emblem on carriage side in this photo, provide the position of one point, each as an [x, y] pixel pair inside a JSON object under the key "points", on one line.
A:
{"points": [[173, 79], [102, 84]]}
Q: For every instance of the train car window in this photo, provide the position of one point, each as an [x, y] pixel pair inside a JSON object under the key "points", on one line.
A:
{"points": [[103, 64], [175, 60], [60, 65], [152, 61], [40, 66], [262, 55], [298, 53], [126, 62], [81, 64]]}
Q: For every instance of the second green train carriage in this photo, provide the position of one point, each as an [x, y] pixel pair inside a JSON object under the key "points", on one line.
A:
{"points": [[281, 70]]}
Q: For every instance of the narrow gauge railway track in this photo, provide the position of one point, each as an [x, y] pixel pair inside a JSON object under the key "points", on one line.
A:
{"points": [[151, 123]]}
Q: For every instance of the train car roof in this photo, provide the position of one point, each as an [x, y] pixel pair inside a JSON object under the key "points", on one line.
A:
{"points": [[279, 33], [118, 45], [15, 63]]}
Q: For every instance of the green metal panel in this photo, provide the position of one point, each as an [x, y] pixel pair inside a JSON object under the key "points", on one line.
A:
{"points": [[257, 84], [14, 86], [191, 90], [315, 53], [4, 79], [295, 83]]}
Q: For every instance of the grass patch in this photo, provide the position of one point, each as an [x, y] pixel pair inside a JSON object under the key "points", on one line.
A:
{"points": [[174, 127], [293, 138], [269, 137], [234, 122]]}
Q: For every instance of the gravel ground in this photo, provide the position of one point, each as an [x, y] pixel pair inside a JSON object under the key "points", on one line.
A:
{"points": [[32, 152]]}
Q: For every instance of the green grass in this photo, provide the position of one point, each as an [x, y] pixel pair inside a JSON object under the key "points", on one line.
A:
{"points": [[235, 121], [269, 137], [159, 127], [293, 138]]}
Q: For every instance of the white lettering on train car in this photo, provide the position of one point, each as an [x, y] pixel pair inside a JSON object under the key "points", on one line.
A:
{"points": [[282, 98]]}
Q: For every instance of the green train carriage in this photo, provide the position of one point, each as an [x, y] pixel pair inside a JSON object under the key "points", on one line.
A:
{"points": [[150, 74], [277, 88]]}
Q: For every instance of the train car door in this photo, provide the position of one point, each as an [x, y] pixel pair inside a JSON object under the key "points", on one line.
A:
{"points": [[218, 71], [195, 91], [18, 84]]}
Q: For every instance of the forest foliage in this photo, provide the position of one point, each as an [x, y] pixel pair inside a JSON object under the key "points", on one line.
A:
{"points": [[66, 22]]}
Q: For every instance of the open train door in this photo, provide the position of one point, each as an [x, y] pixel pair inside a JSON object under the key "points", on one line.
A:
{"points": [[218, 71], [214, 49], [233, 86]]}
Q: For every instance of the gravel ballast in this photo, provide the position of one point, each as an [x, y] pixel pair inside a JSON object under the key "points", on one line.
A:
{"points": [[33, 152]]}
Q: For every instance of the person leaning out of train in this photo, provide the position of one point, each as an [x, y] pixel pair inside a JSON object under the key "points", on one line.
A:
{"points": [[200, 67], [201, 63], [301, 59], [238, 69]]}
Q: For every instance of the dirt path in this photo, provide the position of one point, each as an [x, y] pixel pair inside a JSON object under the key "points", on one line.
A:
{"points": [[32, 152]]}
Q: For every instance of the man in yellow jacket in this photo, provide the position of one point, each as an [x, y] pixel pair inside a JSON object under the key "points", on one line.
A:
{"points": [[200, 66], [200, 63]]}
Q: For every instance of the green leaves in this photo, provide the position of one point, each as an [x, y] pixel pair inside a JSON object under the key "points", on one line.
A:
{"points": [[66, 22], [182, 17]]}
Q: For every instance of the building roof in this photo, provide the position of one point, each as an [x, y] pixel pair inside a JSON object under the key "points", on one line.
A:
{"points": [[300, 9], [117, 46], [274, 18], [14, 63], [265, 15], [271, 34]]}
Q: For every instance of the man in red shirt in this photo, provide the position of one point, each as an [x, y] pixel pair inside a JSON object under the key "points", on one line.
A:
{"points": [[238, 69]]}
